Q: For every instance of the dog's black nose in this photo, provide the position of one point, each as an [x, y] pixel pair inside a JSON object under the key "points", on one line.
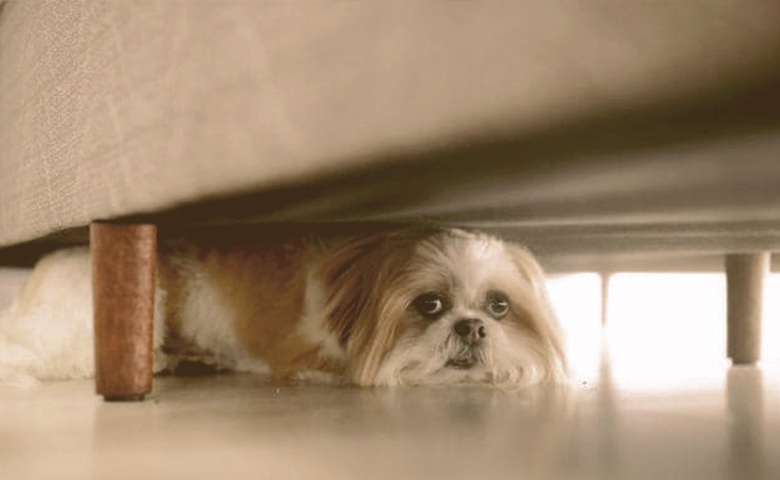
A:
{"points": [[471, 330]]}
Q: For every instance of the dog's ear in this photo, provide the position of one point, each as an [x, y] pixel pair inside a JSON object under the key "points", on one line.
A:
{"points": [[362, 275], [350, 272], [541, 315]]}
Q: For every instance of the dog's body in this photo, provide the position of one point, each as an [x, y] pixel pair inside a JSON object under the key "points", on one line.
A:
{"points": [[408, 306]]}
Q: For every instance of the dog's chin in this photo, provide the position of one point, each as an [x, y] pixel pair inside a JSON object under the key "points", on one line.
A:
{"points": [[465, 368], [448, 374], [467, 359], [462, 363], [459, 371]]}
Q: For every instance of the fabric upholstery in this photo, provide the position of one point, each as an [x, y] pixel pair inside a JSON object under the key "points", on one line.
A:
{"points": [[110, 109]]}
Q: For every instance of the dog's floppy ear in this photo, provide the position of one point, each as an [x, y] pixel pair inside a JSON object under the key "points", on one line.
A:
{"points": [[350, 273], [543, 319], [360, 275]]}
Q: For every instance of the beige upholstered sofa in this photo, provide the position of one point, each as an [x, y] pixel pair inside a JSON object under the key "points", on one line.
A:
{"points": [[603, 134]]}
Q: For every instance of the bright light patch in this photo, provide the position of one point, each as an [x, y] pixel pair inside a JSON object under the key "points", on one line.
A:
{"points": [[667, 330], [664, 330], [577, 301]]}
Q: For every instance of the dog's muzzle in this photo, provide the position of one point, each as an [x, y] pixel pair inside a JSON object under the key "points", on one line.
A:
{"points": [[470, 332]]}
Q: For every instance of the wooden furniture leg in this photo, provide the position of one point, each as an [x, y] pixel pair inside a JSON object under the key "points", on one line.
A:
{"points": [[744, 288], [123, 285]]}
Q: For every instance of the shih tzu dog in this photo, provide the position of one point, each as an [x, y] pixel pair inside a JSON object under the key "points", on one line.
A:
{"points": [[400, 307]]}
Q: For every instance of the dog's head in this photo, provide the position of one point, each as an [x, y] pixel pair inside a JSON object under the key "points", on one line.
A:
{"points": [[443, 307]]}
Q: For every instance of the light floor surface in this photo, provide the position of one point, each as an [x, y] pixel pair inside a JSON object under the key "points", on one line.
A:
{"points": [[237, 426], [651, 417]]}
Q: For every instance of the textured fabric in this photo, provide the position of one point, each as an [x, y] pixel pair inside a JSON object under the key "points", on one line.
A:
{"points": [[110, 109]]}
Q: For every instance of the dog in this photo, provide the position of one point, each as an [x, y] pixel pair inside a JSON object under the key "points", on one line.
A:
{"points": [[404, 306]]}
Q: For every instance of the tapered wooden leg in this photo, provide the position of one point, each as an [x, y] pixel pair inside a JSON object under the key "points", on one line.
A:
{"points": [[745, 287], [123, 284]]}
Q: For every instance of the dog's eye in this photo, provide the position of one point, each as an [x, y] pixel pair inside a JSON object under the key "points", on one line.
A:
{"points": [[497, 305], [431, 305]]}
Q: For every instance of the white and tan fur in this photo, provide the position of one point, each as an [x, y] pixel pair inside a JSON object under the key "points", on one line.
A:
{"points": [[336, 310]]}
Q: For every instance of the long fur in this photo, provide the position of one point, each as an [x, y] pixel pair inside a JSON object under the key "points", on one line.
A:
{"points": [[308, 308], [392, 349]]}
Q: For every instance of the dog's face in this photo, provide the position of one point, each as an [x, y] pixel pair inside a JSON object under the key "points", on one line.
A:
{"points": [[452, 308]]}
